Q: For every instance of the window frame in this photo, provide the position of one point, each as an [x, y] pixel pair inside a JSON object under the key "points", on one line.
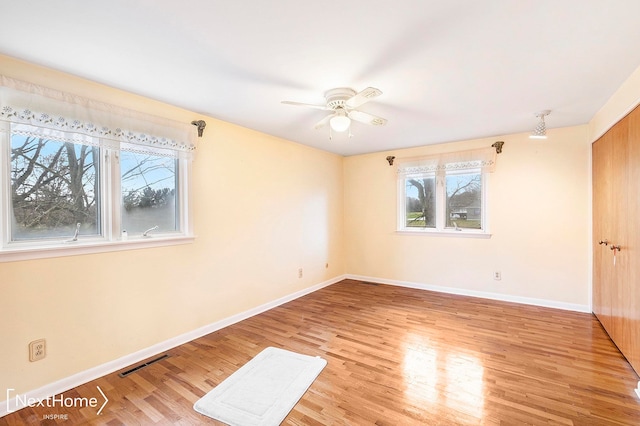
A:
{"points": [[118, 210], [110, 233], [440, 228]]}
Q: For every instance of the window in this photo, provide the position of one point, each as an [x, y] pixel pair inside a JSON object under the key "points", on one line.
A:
{"points": [[464, 200], [444, 193], [70, 184], [420, 201], [149, 193], [54, 187]]}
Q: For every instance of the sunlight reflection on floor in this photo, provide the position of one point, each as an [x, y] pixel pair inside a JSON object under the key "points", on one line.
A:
{"points": [[432, 375], [421, 374], [465, 388]]}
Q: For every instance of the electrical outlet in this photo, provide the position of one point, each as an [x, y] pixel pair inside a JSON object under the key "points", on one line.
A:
{"points": [[299, 272], [37, 350], [497, 275]]}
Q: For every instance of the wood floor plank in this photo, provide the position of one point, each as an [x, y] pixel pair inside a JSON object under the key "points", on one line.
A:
{"points": [[396, 356]]}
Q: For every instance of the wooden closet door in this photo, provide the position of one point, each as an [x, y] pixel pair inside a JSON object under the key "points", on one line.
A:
{"points": [[631, 290], [602, 155], [616, 218], [619, 228]]}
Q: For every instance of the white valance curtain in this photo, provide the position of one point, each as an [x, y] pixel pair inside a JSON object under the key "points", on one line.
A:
{"points": [[43, 112], [483, 159]]}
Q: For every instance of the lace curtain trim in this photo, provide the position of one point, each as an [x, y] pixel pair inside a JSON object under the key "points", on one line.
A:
{"points": [[483, 159], [69, 114]]}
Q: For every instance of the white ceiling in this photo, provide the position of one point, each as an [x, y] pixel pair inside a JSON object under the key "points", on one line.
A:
{"points": [[448, 69]]}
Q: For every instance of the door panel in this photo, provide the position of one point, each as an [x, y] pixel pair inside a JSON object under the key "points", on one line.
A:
{"points": [[602, 269], [630, 304], [619, 221], [616, 218]]}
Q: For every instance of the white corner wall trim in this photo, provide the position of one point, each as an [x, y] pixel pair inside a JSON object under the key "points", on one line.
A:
{"points": [[480, 294], [12, 404]]}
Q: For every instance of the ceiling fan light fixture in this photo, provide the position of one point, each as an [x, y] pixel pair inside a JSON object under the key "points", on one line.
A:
{"points": [[343, 104], [540, 131], [340, 122]]}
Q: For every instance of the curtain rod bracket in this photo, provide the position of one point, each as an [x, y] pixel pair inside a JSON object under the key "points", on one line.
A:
{"points": [[498, 146], [201, 125], [390, 159]]}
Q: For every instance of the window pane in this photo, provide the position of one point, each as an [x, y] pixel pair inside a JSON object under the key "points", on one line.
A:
{"points": [[464, 200], [54, 186], [420, 196], [149, 195]]}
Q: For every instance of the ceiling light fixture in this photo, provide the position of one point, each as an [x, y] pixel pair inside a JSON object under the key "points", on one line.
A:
{"points": [[540, 131], [340, 122]]}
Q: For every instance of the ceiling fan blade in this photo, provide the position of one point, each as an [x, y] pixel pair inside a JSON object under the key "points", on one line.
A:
{"points": [[366, 118], [364, 96], [322, 107], [323, 122]]}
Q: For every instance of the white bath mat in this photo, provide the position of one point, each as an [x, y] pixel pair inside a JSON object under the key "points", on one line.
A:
{"points": [[263, 391]]}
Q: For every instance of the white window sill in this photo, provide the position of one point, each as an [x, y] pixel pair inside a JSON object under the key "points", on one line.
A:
{"points": [[17, 252], [445, 233]]}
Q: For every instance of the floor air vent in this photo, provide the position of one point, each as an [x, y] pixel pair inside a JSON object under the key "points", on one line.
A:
{"points": [[134, 369]]}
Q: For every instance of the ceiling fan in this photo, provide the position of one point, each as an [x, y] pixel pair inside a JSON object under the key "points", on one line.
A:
{"points": [[343, 102]]}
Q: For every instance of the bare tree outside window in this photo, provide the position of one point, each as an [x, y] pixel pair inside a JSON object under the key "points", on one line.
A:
{"points": [[54, 186], [73, 186], [420, 202], [464, 200], [452, 200]]}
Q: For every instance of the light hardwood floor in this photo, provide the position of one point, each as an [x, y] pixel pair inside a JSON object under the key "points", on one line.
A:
{"points": [[396, 356]]}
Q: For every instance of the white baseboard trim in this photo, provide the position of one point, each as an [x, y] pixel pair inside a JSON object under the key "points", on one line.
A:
{"points": [[12, 404], [480, 294]]}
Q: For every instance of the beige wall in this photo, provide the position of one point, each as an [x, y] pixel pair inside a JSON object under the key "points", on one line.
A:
{"points": [[539, 206], [263, 208]]}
